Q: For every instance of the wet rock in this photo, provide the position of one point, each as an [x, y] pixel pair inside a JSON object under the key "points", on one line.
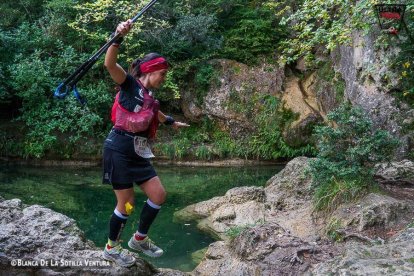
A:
{"points": [[292, 183], [244, 194], [282, 235], [199, 210], [290, 239], [37, 234], [380, 210], [218, 261], [198, 255]]}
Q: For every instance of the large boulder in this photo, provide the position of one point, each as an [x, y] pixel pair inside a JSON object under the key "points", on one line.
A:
{"points": [[34, 235], [275, 230], [266, 249], [285, 200], [237, 84], [289, 200], [239, 206]]}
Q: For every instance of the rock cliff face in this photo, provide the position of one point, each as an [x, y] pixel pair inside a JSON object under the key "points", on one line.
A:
{"points": [[238, 84], [275, 231], [357, 73], [370, 84], [30, 236]]}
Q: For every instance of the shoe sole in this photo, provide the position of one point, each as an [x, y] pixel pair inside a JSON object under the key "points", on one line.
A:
{"points": [[148, 253], [111, 259]]}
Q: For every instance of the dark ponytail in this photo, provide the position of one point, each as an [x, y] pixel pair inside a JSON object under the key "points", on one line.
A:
{"points": [[135, 70]]}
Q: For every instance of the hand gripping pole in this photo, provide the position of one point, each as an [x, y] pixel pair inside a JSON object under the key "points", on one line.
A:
{"points": [[70, 83]]}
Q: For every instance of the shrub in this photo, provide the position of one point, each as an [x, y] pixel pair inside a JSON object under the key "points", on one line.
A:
{"points": [[404, 62], [348, 147]]}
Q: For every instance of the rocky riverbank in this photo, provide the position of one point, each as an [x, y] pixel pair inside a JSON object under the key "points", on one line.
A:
{"points": [[262, 231], [279, 233], [35, 240]]}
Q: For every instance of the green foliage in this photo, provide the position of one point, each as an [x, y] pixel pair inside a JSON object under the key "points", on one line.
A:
{"points": [[46, 118], [332, 78], [320, 26], [176, 149], [170, 89], [331, 230], [250, 33], [203, 153], [14, 13], [235, 231], [190, 37], [204, 76], [265, 141], [330, 194], [9, 145], [43, 41], [405, 60], [348, 150], [268, 141], [226, 147]]}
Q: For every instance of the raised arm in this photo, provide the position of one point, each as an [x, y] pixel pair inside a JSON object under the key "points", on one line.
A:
{"points": [[117, 73]]}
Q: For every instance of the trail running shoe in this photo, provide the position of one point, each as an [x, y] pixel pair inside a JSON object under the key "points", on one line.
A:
{"points": [[120, 256], [146, 246]]}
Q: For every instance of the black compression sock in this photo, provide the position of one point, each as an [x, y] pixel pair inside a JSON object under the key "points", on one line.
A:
{"points": [[116, 225], [148, 214]]}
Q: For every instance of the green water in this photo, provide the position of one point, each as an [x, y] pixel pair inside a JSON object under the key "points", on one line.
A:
{"points": [[79, 194]]}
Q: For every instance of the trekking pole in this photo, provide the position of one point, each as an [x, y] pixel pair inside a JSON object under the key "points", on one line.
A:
{"points": [[70, 83]]}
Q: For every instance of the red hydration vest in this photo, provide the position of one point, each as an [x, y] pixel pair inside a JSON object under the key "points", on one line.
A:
{"points": [[145, 119]]}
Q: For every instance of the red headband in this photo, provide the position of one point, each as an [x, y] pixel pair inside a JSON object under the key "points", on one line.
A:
{"points": [[154, 65]]}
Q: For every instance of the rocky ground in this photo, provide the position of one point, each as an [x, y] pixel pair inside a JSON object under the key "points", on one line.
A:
{"points": [[275, 231], [261, 231], [30, 236]]}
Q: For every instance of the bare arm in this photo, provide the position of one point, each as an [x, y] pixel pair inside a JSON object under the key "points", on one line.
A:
{"points": [[117, 73], [161, 117]]}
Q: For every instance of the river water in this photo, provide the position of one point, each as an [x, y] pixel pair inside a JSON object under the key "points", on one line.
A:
{"points": [[79, 194]]}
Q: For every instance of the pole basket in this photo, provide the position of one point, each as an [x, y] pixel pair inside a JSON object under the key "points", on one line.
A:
{"points": [[390, 17]]}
